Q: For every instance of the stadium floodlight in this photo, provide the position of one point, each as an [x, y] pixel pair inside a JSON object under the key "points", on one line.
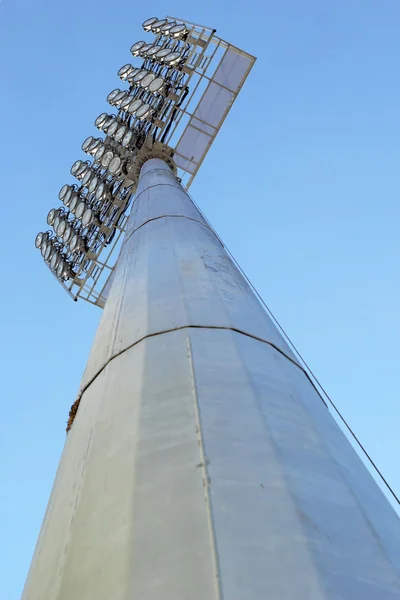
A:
{"points": [[175, 100]]}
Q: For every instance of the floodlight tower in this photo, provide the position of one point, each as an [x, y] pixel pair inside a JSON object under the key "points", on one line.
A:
{"points": [[200, 461]]}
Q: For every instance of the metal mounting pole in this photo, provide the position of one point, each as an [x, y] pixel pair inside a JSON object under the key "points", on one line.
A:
{"points": [[202, 464]]}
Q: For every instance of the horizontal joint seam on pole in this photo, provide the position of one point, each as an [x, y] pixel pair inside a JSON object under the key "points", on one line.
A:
{"points": [[169, 217], [177, 187], [150, 335]]}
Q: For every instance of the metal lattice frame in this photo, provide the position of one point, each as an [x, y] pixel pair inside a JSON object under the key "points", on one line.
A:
{"points": [[216, 70]]}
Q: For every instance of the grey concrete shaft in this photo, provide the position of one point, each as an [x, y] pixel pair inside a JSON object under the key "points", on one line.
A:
{"points": [[202, 464]]}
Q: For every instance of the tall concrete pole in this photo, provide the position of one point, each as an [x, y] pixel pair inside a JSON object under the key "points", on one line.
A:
{"points": [[202, 464]]}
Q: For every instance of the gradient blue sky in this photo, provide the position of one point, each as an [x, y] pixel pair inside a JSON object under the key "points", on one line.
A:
{"points": [[302, 184]]}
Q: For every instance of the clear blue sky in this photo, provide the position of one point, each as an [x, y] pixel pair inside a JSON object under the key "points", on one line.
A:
{"points": [[302, 184]]}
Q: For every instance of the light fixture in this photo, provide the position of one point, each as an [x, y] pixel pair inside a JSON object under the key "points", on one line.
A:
{"points": [[145, 82], [87, 177], [63, 192], [115, 165], [132, 75], [47, 252], [134, 106], [157, 85], [144, 111], [124, 71], [94, 146], [43, 248], [135, 49], [149, 22], [73, 202], [100, 191], [61, 228], [93, 184], [113, 94], [120, 133], [125, 102], [118, 99], [139, 76], [76, 166], [101, 119], [56, 222], [127, 139], [113, 128], [107, 158], [40, 238], [143, 51], [51, 216], [62, 270], [99, 153], [80, 209], [87, 143], [161, 54], [152, 50], [172, 59], [88, 217], [166, 28], [178, 31], [55, 261], [67, 233], [74, 242], [156, 26]]}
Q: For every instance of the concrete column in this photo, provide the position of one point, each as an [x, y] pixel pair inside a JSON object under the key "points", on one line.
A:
{"points": [[202, 464]]}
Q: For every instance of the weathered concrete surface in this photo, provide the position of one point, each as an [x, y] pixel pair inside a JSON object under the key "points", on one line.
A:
{"points": [[202, 464]]}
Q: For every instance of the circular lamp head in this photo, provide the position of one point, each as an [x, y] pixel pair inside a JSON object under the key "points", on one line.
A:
{"points": [[156, 26], [94, 146], [145, 82], [82, 170], [161, 54], [67, 233], [99, 153], [151, 52], [55, 259], [148, 23], [39, 239], [132, 75], [62, 270], [87, 177], [113, 128], [73, 202], [165, 29], [112, 95], [73, 242], [127, 139], [76, 166], [157, 85], [124, 71], [93, 184], [87, 143], [139, 76], [144, 111], [173, 58], [63, 192], [144, 49], [56, 222], [101, 119], [61, 228], [43, 248], [47, 252], [135, 49], [107, 158], [88, 217], [115, 165], [80, 209], [51, 216], [126, 102], [134, 106], [120, 133], [178, 31], [119, 97], [100, 191]]}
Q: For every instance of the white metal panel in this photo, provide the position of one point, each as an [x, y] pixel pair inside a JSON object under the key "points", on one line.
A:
{"points": [[173, 272]]}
